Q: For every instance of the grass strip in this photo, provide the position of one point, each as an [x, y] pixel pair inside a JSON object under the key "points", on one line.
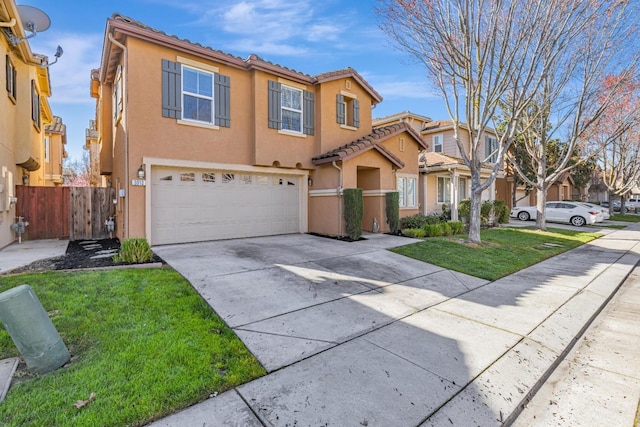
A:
{"points": [[625, 218], [503, 251], [143, 340]]}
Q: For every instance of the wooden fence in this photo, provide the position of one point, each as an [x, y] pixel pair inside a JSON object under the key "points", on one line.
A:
{"points": [[73, 213]]}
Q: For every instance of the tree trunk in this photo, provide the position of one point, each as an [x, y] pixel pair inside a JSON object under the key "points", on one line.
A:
{"points": [[541, 214], [474, 218]]}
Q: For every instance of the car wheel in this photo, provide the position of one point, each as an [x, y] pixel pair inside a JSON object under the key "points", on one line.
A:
{"points": [[578, 221], [523, 216]]}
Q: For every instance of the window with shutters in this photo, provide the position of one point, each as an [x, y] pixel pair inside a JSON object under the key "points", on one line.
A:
{"points": [[291, 109], [347, 110], [195, 94], [35, 106], [11, 79], [291, 104]]}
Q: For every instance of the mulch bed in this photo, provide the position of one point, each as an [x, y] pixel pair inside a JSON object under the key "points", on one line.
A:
{"points": [[82, 254]]}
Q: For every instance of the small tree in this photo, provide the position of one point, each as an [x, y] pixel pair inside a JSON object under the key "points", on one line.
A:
{"points": [[77, 172]]}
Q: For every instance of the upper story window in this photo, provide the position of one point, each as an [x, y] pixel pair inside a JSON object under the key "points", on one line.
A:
{"points": [[491, 149], [437, 143], [292, 113], [199, 96], [11, 79], [35, 106], [291, 108], [347, 110], [118, 103]]}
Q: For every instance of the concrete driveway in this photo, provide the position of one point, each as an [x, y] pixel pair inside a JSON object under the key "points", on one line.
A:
{"points": [[352, 334], [289, 297]]}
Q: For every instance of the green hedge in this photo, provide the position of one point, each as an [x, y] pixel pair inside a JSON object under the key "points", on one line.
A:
{"points": [[414, 232], [419, 221], [392, 208], [353, 208]]}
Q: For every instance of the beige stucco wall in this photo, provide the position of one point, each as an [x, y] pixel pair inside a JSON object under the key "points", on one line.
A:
{"points": [[327, 215]]}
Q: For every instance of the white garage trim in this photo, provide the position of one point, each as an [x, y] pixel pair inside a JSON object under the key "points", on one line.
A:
{"points": [[150, 162]]}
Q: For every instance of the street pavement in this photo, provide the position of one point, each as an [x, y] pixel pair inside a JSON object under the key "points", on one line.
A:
{"points": [[354, 335]]}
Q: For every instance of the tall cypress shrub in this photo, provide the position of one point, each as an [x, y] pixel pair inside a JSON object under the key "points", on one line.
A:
{"points": [[353, 208], [392, 208]]}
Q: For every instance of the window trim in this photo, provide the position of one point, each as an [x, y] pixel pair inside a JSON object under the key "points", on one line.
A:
{"points": [[440, 138], [404, 195], [489, 148], [47, 149], [446, 188], [118, 99], [348, 104], [211, 99], [300, 92]]}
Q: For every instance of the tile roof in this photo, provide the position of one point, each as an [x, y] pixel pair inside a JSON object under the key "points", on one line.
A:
{"points": [[253, 61], [431, 159], [56, 127], [366, 143]]}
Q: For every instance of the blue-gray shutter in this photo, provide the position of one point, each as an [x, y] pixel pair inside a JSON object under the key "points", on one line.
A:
{"points": [[341, 117], [308, 113], [356, 113], [275, 105], [487, 147], [223, 98], [171, 89]]}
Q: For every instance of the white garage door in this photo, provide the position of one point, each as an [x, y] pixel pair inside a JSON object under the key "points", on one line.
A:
{"points": [[190, 205]]}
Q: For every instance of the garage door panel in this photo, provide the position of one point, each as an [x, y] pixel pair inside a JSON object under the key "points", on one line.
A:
{"points": [[197, 205]]}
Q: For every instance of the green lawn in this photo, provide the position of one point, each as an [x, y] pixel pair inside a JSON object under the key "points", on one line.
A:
{"points": [[146, 344], [625, 218], [504, 250]]}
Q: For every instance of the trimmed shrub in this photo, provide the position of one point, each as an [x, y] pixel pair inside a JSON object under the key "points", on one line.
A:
{"points": [[353, 210], [414, 232], [419, 221], [392, 208], [446, 229], [457, 227], [464, 210], [446, 213], [485, 212], [501, 211], [433, 230], [134, 250]]}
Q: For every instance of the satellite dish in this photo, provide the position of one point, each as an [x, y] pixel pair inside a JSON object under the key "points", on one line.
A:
{"points": [[33, 19]]}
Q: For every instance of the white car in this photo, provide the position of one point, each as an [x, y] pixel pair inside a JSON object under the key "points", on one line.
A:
{"points": [[603, 212], [571, 212]]}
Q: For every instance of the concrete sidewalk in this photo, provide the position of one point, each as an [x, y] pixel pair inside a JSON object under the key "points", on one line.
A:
{"points": [[599, 381], [352, 334], [20, 254]]}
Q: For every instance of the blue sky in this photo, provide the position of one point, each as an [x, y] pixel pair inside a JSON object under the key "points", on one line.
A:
{"points": [[307, 35]]}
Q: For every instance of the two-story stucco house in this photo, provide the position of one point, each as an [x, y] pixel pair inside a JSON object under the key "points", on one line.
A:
{"points": [[444, 177], [25, 113], [203, 145]]}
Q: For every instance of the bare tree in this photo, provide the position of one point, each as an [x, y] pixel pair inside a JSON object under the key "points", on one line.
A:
{"points": [[77, 171], [485, 55]]}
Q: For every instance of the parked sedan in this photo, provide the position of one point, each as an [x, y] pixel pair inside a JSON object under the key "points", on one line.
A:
{"points": [[603, 213], [573, 213]]}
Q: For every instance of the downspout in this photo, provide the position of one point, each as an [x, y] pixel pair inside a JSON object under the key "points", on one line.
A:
{"points": [[125, 93], [8, 24], [339, 192]]}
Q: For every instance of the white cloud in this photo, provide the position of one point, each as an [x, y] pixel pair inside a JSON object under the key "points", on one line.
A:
{"points": [[70, 76], [392, 88]]}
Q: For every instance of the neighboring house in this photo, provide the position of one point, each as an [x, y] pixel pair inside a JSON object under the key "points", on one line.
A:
{"points": [[54, 153], [562, 189], [203, 145], [444, 178], [25, 113], [92, 145]]}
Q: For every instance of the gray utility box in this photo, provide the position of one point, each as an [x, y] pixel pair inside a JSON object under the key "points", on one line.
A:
{"points": [[31, 330]]}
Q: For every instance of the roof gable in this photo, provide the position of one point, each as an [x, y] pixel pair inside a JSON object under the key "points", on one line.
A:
{"points": [[372, 141]]}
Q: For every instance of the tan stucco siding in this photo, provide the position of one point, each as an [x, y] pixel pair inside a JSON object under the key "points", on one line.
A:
{"points": [[335, 135], [327, 215]]}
